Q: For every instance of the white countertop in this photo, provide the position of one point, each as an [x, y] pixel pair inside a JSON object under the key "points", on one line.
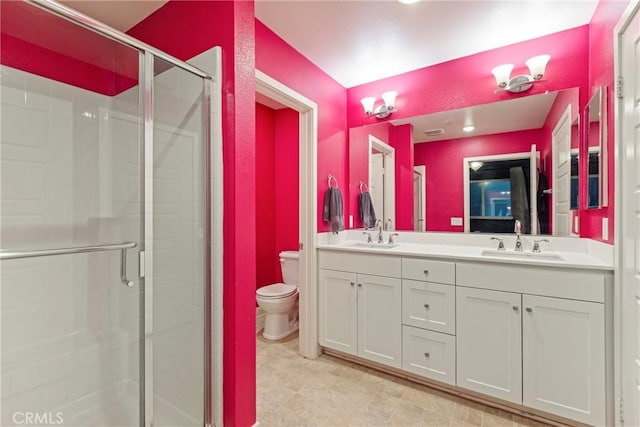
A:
{"points": [[568, 259]]}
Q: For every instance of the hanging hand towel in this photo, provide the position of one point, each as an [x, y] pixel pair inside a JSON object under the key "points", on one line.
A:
{"points": [[367, 212], [333, 209]]}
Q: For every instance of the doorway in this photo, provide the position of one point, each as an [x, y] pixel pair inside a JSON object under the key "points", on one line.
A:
{"points": [[419, 198], [382, 180]]}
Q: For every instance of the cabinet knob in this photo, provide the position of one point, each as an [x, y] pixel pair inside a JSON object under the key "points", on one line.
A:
{"points": [[427, 355], [359, 285], [352, 283], [426, 306], [529, 310], [426, 272], [516, 308]]}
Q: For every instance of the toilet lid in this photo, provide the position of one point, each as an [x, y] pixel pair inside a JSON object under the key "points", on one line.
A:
{"points": [[276, 291]]}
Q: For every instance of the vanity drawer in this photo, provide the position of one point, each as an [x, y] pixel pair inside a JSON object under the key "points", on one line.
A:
{"points": [[429, 305], [586, 285], [428, 270], [375, 265], [429, 354]]}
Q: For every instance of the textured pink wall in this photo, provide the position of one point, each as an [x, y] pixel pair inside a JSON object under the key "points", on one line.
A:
{"points": [[468, 81], [444, 173], [185, 29], [601, 73], [402, 141], [279, 60], [265, 212]]}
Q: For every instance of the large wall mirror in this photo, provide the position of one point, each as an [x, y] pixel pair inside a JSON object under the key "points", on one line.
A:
{"points": [[596, 136], [440, 147]]}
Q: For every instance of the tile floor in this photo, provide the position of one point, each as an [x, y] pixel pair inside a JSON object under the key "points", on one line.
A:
{"points": [[329, 392]]}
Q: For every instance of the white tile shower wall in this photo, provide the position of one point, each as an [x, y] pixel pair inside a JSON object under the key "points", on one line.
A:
{"points": [[68, 326]]}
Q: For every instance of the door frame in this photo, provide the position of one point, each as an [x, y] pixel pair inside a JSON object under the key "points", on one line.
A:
{"points": [[308, 143], [422, 171], [621, 410], [389, 191], [564, 118]]}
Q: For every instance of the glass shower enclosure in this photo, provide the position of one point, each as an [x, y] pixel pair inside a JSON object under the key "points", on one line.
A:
{"points": [[105, 290]]}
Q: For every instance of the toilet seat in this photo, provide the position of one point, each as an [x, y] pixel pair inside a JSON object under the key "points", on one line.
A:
{"points": [[278, 290]]}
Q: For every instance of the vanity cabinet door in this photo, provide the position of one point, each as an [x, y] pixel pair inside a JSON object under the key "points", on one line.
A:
{"points": [[563, 358], [337, 310], [380, 319], [489, 346]]}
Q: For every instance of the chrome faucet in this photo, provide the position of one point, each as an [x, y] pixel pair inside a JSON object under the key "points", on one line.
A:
{"points": [[388, 224], [379, 228], [500, 243], [517, 229], [391, 242], [536, 244], [369, 239]]}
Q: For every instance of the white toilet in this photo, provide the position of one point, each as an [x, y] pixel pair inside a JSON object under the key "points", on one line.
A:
{"points": [[280, 301]]}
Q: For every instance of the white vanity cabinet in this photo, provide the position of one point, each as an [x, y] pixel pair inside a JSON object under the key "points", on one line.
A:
{"points": [[489, 342], [563, 357], [360, 312], [545, 352]]}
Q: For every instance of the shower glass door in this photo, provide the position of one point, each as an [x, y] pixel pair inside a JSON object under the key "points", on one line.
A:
{"points": [[70, 176], [176, 238]]}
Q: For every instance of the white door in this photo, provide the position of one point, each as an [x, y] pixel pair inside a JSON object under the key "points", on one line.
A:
{"points": [[534, 163], [376, 183], [337, 310], [380, 319], [563, 358], [489, 342], [561, 148], [628, 206]]}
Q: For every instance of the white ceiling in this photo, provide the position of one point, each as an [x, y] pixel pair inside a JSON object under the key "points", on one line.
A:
{"points": [[357, 42], [121, 15]]}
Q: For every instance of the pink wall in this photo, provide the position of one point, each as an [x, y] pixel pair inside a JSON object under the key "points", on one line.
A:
{"points": [[601, 73], [287, 184], [185, 29], [468, 81], [444, 170], [265, 212], [277, 187], [279, 60], [402, 141]]}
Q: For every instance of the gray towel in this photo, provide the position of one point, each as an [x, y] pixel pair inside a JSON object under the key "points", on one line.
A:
{"points": [[365, 207], [333, 209]]}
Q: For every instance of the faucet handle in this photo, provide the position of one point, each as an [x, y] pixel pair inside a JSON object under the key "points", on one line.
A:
{"points": [[389, 224], [391, 242], [369, 239], [517, 227], [500, 243], [536, 244]]}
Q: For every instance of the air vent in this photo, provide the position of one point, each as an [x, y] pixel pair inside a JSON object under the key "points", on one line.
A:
{"points": [[434, 132]]}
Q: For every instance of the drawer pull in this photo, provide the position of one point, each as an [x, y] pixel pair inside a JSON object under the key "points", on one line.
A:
{"points": [[352, 283], [427, 355], [426, 306], [426, 272], [359, 285], [529, 310], [516, 308]]}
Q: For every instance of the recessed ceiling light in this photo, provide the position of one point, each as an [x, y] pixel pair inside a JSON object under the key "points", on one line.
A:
{"points": [[468, 128], [434, 132], [408, 1]]}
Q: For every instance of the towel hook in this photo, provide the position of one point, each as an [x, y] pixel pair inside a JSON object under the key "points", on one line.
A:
{"points": [[363, 187], [335, 181]]}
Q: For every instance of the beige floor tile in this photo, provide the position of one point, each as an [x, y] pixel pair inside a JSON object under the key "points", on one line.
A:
{"points": [[328, 392]]}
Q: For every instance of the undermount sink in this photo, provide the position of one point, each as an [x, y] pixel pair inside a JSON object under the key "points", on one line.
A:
{"points": [[374, 245], [542, 256]]}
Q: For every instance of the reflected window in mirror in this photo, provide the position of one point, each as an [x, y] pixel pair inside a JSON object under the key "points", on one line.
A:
{"points": [[593, 180], [498, 195], [575, 164]]}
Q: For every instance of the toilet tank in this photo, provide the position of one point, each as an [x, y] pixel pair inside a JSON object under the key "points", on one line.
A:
{"points": [[289, 266]]}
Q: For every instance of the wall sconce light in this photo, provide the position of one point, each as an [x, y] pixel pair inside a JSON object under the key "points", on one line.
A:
{"points": [[383, 110], [502, 73]]}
